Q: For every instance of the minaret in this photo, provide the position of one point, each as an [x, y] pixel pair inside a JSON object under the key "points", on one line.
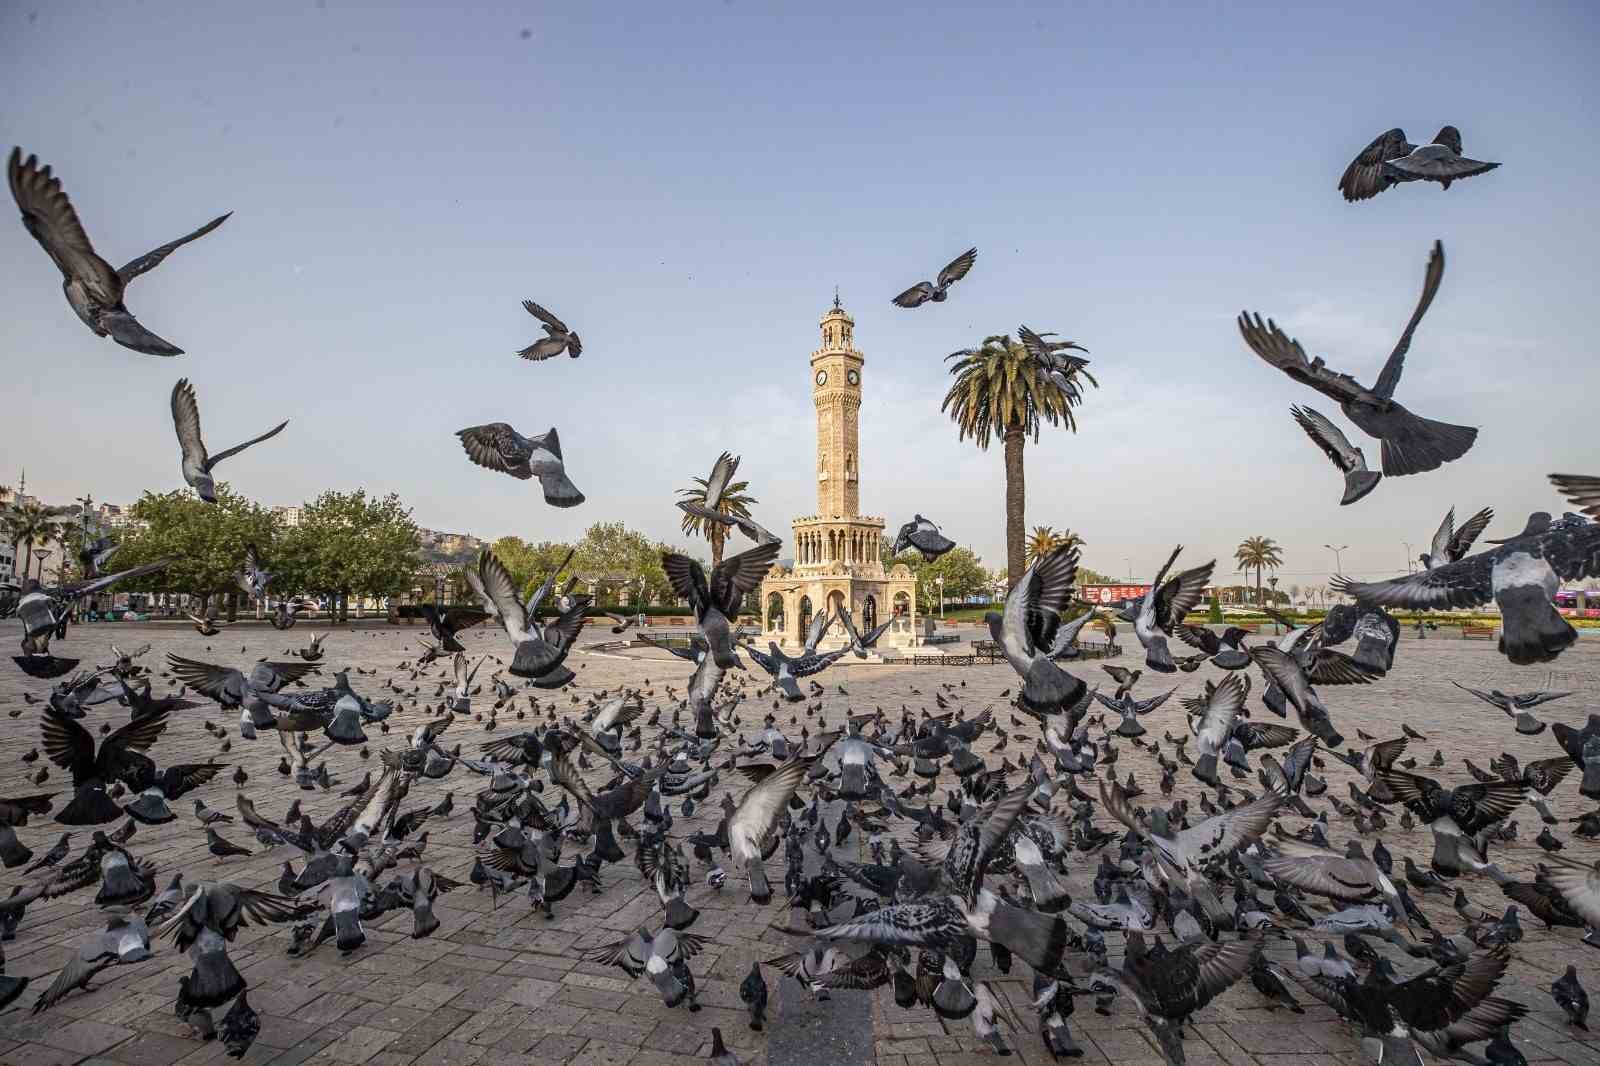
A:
{"points": [[836, 391]]}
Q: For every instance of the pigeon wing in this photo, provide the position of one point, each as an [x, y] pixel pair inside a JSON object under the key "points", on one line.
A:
{"points": [[1465, 583], [68, 744], [49, 216], [722, 472], [186, 420], [1390, 375], [487, 446], [1181, 595], [957, 268], [150, 260], [544, 316], [1285, 353], [916, 296], [1584, 492], [1364, 178], [735, 577], [502, 594], [1461, 542], [686, 579], [237, 448]]}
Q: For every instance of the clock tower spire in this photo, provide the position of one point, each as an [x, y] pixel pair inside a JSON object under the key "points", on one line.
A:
{"points": [[836, 391]]}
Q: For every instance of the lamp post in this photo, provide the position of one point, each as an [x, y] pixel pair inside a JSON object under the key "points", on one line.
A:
{"points": [[1411, 564], [42, 556], [1338, 562], [939, 580]]}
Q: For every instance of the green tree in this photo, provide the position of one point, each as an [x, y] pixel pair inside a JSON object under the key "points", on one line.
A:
{"points": [[205, 543], [349, 543], [734, 502], [1214, 615], [1258, 553], [963, 572], [528, 564], [1087, 576], [1002, 391], [614, 557]]}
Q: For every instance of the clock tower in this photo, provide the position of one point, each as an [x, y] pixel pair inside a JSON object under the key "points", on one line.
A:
{"points": [[838, 562], [836, 391]]}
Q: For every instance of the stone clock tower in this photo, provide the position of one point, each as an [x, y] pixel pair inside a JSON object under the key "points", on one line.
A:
{"points": [[836, 551], [836, 391]]}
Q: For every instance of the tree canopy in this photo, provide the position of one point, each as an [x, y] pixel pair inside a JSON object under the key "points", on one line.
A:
{"points": [[348, 543], [205, 541]]}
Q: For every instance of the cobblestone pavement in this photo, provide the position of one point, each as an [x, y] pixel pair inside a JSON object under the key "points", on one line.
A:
{"points": [[500, 984]]}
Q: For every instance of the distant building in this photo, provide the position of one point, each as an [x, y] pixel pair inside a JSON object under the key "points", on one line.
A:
{"points": [[289, 516], [118, 516], [441, 547], [8, 565]]}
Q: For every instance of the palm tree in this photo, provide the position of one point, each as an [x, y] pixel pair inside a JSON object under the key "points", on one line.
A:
{"points": [[1041, 542], [734, 503], [1258, 553], [1002, 391], [27, 525]]}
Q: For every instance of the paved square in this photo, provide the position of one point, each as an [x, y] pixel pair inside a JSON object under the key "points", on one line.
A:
{"points": [[501, 984]]}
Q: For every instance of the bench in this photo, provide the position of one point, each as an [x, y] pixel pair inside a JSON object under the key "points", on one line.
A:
{"points": [[1477, 631]]}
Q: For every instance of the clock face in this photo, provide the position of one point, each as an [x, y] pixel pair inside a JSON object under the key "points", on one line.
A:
{"points": [[854, 378], [822, 377]]}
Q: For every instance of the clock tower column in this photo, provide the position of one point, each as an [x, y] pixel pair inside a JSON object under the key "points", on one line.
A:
{"points": [[836, 391]]}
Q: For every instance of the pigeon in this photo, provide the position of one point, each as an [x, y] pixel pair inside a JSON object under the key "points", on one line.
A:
{"points": [[1351, 461], [1170, 985], [1411, 444], [753, 994], [752, 825], [1027, 628], [1450, 543], [1520, 574], [557, 339], [125, 939], [860, 644], [938, 291], [663, 957], [1164, 606], [94, 291], [1211, 719], [1516, 706], [44, 613], [540, 650], [716, 604], [1571, 998], [1058, 367], [253, 577], [197, 462], [497, 446], [923, 535], [1583, 492], [1390, 159]]}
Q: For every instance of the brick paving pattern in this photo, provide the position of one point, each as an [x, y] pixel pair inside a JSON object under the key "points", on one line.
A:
{"points": [[500, 984]]}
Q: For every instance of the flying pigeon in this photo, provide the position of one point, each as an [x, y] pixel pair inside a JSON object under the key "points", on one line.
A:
{"points": [[1164, 607], [1358, 480], [1584, 492], [1390, 159], [716, 604], [1411, 444], [557, 339], [923, 535], [197, 463], [1520, 574], [1058, 367], [496, 446], [938, 291], [93, 289], [1451, 544]]}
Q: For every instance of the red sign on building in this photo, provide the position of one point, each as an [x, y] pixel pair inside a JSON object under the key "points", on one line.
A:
{"points": [[1111, 593]]}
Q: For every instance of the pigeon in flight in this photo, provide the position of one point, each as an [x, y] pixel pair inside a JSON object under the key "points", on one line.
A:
{"points": [[1411, 444], [1451, 544], [1390, 159], [1351, 461], [496, 446], [541, 651], [1516, 706], [557, 339], [1584, 492], [1521, 575], [923, 535], [1163, 607], [1027, 628], [938, 291], [197, 463], [93, 289], [722, 472], [44, 612], [717, 603], [1058, 367], [252, 577]]}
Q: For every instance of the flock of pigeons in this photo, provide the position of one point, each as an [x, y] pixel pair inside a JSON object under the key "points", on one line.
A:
{"points": [[990, 864]]}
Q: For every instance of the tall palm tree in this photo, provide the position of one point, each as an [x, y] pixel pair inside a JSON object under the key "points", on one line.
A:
{"points": [[1002, 391], [27, 525], [734, 502], [1258, 553]]}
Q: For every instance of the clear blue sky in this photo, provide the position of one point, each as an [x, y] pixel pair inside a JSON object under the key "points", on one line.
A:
{"points": [[685, 184]]}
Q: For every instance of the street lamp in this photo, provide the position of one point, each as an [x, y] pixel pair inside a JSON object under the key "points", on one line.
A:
{"points": [[1410, 559], [42, 556], [939, 580], [1338, 562]]}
